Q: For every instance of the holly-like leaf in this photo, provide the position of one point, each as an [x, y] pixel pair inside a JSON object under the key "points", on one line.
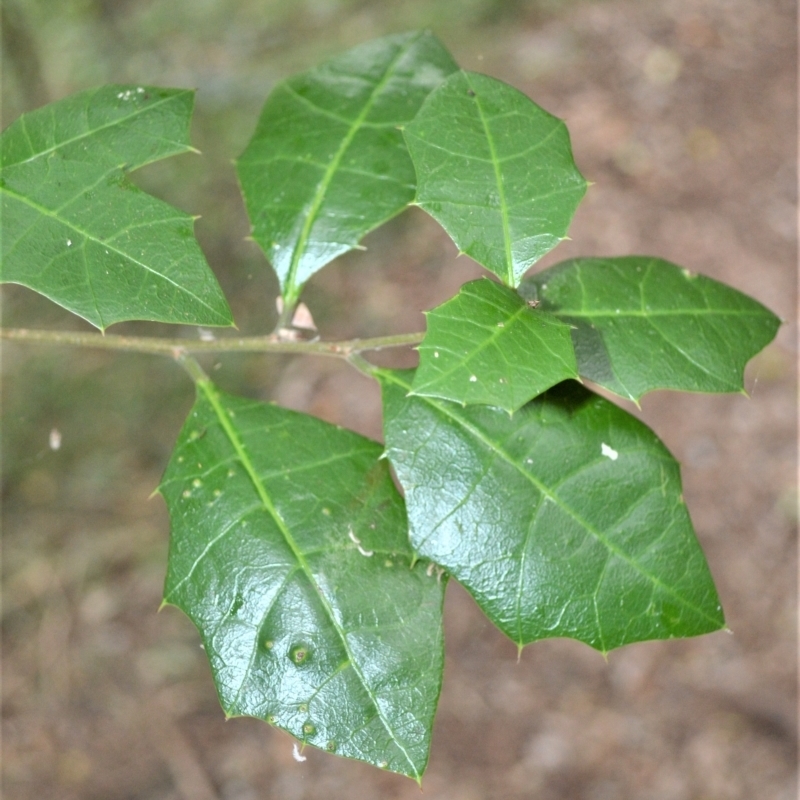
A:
{"points": [[496, 171], [289, 552], [641, 324], [327, 162], [75, 230], [565, 519], [486, 345]]}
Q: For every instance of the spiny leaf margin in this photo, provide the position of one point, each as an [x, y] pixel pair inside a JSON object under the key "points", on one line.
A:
{"points": [[641, 323], [77, 231], [496, 171], [566, 519], [327, 162], [486, 345], [287, 533]]}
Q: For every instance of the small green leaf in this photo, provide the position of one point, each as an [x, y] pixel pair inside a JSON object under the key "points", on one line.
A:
{"points": [[641, 324], [75, 230], [566, 519], [496, 171], [289, 552], [327, 162], [485, 345]]}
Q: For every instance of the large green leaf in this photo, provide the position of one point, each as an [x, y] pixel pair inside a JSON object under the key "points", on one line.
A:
{"points": [[566, 519], [327, 162], [289, 552], [485, 345], [496, 171], [641, 324], [74, 228]]}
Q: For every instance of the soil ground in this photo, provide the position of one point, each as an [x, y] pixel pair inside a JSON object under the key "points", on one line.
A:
{"points": [[683, 112]]}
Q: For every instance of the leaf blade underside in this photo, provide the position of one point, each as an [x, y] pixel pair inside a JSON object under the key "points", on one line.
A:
{"points": [[566, 519], [288, 537], [641, 324], [327, 162], [78, 232]]}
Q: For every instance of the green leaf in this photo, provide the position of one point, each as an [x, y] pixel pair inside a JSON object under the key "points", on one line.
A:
{"points": [[75, 230], [641, 323], [327, 163], [289, 552], [566, 519], [496, 171], [485, 345]]}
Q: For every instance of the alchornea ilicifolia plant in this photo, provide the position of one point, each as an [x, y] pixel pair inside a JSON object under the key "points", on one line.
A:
{"points": [[316, 586]]}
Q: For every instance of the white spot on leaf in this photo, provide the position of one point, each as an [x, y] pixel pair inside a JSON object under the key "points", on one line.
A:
{"points": [[609, 452]]}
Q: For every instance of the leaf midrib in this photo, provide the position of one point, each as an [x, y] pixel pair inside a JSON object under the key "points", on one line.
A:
{"points": [[499, 451], [212, 396], [290, 290], [510, 278]]}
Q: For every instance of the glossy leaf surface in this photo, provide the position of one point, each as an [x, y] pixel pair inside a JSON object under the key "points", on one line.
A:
{"points": [[565, 519], [77, 231], [642, 323], [485, 345], [289, 552], [496, 171], [327, 162]]}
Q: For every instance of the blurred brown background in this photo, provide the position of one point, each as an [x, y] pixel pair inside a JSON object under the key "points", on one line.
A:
{"points": [[684, 114]]}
